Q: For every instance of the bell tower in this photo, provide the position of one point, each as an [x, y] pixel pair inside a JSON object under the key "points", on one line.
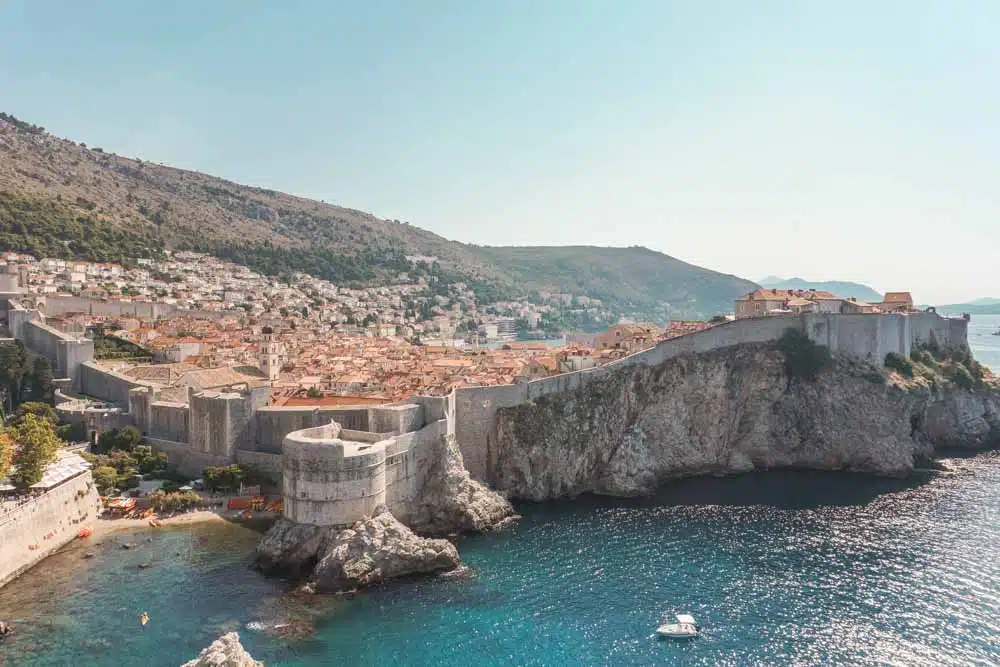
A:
{"points": [[270, 358]]}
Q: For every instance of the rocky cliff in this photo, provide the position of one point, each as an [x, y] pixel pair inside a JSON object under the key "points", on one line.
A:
{"points": [[226, 651], [733, 410], [450, 501]]}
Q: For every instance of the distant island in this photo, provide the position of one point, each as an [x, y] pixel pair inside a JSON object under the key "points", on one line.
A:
{"points": [[841, 287]]}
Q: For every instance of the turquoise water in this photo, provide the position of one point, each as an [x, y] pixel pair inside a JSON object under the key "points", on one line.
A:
{"points": [[780, 568]]}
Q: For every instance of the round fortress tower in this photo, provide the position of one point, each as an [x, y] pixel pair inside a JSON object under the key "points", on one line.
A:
{"points": [[327, 481]]}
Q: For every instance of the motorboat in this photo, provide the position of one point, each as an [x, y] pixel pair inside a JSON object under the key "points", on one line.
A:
{"points": [[684, 628]]}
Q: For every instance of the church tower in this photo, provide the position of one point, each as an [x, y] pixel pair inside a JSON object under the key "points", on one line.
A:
{"points": [[270, 358]]}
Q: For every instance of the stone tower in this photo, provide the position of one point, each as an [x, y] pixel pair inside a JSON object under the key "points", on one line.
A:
{"points": [[270, 357]]}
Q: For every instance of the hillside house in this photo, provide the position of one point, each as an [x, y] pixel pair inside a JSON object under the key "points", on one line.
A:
{"points": [[628, 337], [763, 302]]}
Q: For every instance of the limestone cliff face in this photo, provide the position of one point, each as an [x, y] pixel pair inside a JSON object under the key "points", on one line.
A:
{"points": [[226, 651], [733, 410], [451, 501]]}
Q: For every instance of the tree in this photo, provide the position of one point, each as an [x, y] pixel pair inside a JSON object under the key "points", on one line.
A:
{"points": [[41, 410], [106, 478], [38, 385], [6, 454], [314, 392], [13, 368], [123, 439], [230, 477], [37, 445]]}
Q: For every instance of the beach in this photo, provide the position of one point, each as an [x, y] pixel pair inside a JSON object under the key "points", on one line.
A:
{"points": [[102, 526]]}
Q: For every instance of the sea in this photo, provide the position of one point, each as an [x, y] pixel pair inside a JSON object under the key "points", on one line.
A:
{"points": [[780, 568]]}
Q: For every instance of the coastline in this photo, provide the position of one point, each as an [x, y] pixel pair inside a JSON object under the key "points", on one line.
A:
{"points": [[105, 527]]}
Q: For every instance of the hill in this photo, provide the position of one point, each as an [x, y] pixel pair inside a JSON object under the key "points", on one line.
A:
{"points": [[838, 287], [639, 278], [984, 306], [65, 199]]}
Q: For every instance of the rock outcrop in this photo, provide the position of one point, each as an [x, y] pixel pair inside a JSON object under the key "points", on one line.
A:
{"points": [[378, 549], [450, 501], [226, 651], [292, 548], [728, 411], [373, 550]]}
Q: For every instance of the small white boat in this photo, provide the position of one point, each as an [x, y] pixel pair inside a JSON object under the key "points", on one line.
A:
{"points": [[684, 628]]}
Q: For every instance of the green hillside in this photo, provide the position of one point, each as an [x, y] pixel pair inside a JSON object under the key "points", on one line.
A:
{"points": [[63, 198]]}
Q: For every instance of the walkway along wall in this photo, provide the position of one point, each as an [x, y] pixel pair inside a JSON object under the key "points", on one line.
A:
{"points": [[866, 336], [50, 520]]}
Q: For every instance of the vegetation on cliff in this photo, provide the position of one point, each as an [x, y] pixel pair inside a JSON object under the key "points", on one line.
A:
{"points": [[804, 359], [933, 365]]}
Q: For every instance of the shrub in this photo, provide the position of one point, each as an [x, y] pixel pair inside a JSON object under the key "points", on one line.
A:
{"points": [[106, 478], [175, 500], [804, 359], [961, 376], [875, 376], [900, 364]]}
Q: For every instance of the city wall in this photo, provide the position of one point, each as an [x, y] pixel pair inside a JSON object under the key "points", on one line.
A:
{"points": [[107, 385], [61, 304], [66, 352], [866, 336], [50, 520]]}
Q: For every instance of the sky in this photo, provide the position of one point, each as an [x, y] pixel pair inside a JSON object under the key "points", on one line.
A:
{"points": [[829, 140]]}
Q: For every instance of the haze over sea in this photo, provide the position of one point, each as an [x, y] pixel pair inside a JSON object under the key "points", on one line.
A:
{"points": [[780, 568]]}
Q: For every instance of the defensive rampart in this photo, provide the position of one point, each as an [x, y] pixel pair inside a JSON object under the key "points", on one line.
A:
{"points": [[66, 352], [866, 336], [60, 304], [37, 527], [107, 385]]}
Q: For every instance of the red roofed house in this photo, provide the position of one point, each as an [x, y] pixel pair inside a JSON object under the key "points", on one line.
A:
{"points": [[894, 302]]}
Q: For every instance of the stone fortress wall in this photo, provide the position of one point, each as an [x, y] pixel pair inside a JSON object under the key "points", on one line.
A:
{"points": [[865, 336], [66, 351], [39, 527], [60, 304]]}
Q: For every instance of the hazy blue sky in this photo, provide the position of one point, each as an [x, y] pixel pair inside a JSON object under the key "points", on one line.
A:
{"points": [[842, 139]]}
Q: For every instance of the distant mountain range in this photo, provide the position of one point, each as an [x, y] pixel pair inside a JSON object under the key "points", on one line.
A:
{"points": [[64, 199], [982, 306], [839, 287]]}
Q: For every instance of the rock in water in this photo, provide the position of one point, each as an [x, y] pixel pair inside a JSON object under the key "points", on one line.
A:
{"points": [[378, 549], [291, 547], [451, 501], [226, 651]]}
